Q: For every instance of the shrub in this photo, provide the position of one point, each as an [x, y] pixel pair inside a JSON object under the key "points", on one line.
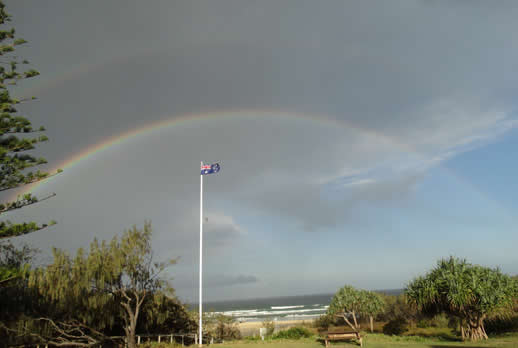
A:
{"points": [[396, 326], [160, 345], [269, 326], [227, 331], [439, 320], [398, 307], [294, 333], [423, 323], [324, 321], [501, 325], [222, 327]]}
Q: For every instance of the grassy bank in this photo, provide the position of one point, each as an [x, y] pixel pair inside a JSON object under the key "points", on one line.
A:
{"points": [[380, 341], [373, 341]]}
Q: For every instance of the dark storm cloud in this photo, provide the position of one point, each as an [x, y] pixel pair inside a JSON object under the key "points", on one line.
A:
{"points": [[411, 84], [226, 280]]}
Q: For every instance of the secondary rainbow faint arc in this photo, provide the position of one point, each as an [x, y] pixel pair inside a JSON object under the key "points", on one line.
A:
{"points": [[186, 118]]}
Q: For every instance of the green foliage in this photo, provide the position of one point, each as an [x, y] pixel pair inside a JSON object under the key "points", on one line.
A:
{"points": [[374, 303], [293, 333], [346, 302], [269, 325], [162, 312], [398, 307], [161, 345], [14, 162], [109, 286], [218, 326], [349, 303], [14, 302], [324, 321], [440, 320], [225, 328], [501, 325], [396, 326], [346, 299], [382, 341], [14, 261], [470, 292]]}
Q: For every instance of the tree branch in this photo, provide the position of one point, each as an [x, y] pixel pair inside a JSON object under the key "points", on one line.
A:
{"points": [[66, 334], [29, 182], [20, 204]]}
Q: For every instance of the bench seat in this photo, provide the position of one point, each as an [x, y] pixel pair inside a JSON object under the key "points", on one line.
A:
{"points": [[336, 336]]}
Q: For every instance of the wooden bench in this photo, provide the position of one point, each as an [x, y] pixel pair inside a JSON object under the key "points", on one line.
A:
{"points": [[342, 335]]}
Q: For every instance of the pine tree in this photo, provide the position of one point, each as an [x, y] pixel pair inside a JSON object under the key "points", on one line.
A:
{"points": [[17, 138]]}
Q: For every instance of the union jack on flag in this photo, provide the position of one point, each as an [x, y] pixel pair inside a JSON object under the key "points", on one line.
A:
{"points": [[210, 168]]}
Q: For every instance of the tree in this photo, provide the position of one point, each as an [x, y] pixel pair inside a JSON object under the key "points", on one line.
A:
{"points": [[13, 300], [351, 302], [374, 305], [108, 285], [15, 141], [163, 312], [348, 301], [468, 292]]}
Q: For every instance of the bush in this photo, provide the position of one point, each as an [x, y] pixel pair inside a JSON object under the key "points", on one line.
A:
{"points": [[395, 326], [501, 325], [160, 345], [222, 327], [398, 307], [440, 320], [227, 331], [324, 321], [294, 333], [269, 326]]}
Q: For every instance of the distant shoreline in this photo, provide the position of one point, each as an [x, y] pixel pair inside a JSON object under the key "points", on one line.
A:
{"points": [[194, 305], [278, 309]]}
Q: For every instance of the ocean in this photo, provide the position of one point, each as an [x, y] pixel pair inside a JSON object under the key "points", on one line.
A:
{"points": [[303, 307], [273, 308]]}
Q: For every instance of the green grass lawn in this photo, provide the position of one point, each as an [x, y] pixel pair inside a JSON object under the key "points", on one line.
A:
{"points": [[378, 341]]}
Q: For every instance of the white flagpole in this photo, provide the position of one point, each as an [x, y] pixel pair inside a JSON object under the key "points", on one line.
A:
{"points": [[200, 342]]}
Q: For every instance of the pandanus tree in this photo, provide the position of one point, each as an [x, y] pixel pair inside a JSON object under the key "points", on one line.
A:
{"points": [[374, 305], [468, 292], [349, 303]]}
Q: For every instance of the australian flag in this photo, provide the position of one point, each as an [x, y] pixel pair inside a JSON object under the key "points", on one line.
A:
{"points": [[210, 168]]}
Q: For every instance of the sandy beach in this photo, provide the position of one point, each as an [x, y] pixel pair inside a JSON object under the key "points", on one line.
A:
{"points": [[252, 327]]}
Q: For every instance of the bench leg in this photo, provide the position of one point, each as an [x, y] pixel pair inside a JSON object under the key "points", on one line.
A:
{"points": [[361, 343], [327, 343]]}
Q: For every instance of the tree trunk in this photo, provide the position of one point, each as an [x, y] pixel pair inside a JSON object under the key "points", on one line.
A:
{"points": [[475, 329], [131, 339], [355, 322], [481, 325], [344, 315], [132, 313], [371, 319]]}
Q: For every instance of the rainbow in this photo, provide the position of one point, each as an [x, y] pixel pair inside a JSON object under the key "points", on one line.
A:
{"points": [[98, 148]]}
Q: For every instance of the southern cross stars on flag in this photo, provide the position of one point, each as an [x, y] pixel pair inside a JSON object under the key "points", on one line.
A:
{"points": [[210, 168]]}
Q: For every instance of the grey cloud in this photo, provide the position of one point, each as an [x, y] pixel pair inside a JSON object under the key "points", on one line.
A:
{"points": [[221, 230]]}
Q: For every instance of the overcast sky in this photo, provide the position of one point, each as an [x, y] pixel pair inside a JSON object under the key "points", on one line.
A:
{"points": [[359, 142]]}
